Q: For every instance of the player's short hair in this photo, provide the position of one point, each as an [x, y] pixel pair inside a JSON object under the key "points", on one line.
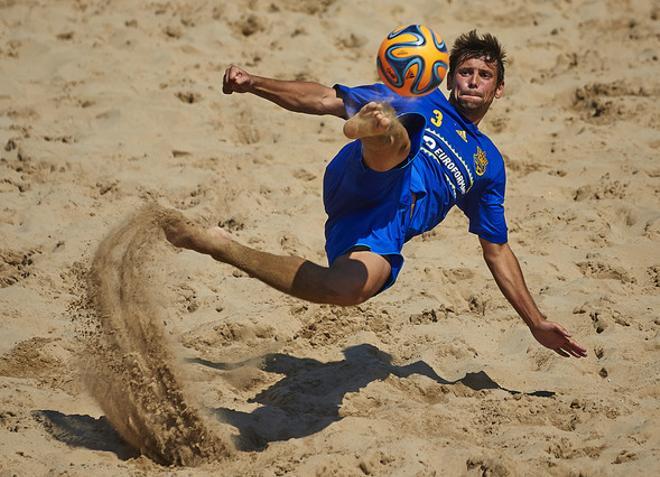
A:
{"points": [[472, 45]]}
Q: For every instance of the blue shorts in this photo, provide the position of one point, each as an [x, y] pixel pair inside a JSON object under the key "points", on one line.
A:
{"points": [[367, 208]]}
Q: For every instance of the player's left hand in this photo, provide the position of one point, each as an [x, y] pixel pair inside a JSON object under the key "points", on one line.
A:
{"points": [[557, 338], [236, 80]]}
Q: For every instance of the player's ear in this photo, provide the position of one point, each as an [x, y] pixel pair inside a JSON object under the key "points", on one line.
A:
{"points": [[450, 81], [499, 91]]}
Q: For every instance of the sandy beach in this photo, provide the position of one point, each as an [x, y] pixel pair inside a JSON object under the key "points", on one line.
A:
{"points": [[106, 106]]}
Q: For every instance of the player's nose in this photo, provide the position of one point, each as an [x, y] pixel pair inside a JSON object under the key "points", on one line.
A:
{"points": [[473, 80]]}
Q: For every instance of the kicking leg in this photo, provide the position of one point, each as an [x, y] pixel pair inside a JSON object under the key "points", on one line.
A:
{"points": [[385, 142], [352, 279]]}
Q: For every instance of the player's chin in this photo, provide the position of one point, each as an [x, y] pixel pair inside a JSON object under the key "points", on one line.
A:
{"points": [[471, 103]]}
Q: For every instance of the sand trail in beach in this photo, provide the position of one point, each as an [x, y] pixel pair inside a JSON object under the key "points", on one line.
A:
{"points": [[131, 372]]}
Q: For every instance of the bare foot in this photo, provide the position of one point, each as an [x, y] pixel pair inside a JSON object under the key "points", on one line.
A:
{"points": [[182, 233], [179, 231], [374, 119]]}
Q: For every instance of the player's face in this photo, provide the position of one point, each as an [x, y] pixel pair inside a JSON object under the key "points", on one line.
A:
{"points": [[474, 87]]}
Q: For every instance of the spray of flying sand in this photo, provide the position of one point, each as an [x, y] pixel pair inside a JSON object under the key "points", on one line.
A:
{"points": [[128, 367]]}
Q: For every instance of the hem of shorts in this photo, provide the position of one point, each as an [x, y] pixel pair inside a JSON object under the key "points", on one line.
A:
{"points": [[370, 250], [391, 280], [492, 239]]}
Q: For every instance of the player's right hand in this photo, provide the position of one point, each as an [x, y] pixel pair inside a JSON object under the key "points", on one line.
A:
{"points": [[557, 338], [236, 80]]}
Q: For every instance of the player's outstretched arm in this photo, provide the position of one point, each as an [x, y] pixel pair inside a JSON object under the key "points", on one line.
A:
{"points": [[298, 96], [505, 268]]}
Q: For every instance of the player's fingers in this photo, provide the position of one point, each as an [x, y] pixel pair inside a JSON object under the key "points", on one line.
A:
{"points": [[226, 88], [230, 73], [572, 352], [233, 74], [238, 76], [577, 348], [240, 81], [235, 80], [574, 349], [561, 352]]}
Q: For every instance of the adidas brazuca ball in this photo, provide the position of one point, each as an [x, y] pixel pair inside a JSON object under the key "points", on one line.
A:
{"points": [[412, 60]]}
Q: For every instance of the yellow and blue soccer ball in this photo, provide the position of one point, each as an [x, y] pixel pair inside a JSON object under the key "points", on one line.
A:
{"points": [[412, 60]]}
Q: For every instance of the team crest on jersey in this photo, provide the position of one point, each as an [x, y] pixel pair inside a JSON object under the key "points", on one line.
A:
{"points": [[480, 162], [462, 134]]}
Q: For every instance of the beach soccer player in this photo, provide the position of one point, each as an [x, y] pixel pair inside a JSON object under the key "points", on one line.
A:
{"points": [[410, 160]]}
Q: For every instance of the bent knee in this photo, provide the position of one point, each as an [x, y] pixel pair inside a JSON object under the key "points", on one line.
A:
{"points": [[348, 296], [356, 277], [346, 288]]}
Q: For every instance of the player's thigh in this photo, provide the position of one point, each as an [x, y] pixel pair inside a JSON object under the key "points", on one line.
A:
{"points": [[359, 275]]}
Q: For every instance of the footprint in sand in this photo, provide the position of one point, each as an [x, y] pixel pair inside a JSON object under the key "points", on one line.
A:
{"points": [[188, 97], [605, 189], [246, 133], [15, 265], [601, 270], [250, 24]]}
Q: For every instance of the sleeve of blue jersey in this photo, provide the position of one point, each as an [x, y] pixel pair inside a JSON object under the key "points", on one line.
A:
{"points": [[485, 211], [490, 224], [355, 98]]}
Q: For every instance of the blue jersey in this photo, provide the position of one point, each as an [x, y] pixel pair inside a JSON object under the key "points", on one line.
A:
{"points": [[455, 164]]}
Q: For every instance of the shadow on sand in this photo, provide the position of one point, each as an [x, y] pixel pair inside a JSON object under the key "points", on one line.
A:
{"points": [[308, 398], [79, 430]]}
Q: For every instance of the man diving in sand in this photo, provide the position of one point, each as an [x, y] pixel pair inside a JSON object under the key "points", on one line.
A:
{"points": [[410, 161]]}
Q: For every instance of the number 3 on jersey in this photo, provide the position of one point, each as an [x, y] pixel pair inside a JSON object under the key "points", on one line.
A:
{"points": [[436, 119]]}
